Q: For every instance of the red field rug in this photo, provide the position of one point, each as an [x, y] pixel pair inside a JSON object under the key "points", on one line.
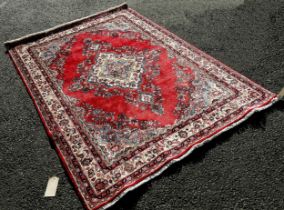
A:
{"points": [[123, 98]]}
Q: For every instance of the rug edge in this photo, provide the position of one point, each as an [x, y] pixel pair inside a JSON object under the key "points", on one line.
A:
{"points": [[49, 134], [40, 34], [201, 51], [243, 118], [156, 173], [180, 157]]}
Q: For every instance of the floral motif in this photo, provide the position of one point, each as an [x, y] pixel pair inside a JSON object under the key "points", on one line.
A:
{"points": [[122, 98]]}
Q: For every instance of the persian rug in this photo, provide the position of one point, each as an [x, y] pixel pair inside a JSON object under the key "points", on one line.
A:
{"points": [[123, 98]]}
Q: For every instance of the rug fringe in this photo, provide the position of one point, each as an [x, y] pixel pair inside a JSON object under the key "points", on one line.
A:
{"points": [[280, 95], [14, 42], [248, 115]]}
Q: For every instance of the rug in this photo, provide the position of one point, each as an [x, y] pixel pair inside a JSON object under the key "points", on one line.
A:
{"points": [[122, 98]]}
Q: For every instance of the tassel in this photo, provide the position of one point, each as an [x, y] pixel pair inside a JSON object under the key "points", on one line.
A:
{"points": [[280, 95]]}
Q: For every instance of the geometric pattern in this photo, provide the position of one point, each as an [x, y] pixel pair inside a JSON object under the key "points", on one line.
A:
{"points": [[122, 99], [117, 70]]}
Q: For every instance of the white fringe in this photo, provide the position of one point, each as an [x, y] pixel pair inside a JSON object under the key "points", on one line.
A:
{"points": [[64, 24], [188, 153]]}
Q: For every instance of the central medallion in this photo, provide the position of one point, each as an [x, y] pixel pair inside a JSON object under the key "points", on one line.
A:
{"points": [[122, 81], [120, 70]]}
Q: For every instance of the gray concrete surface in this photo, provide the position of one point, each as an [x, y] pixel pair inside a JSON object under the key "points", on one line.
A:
{"points": [[241, 169]]}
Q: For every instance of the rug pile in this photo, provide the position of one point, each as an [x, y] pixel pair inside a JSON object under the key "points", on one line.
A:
{"points": [[123, 98]]}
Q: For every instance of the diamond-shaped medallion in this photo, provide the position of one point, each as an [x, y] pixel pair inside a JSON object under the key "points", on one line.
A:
{"points": [[117, 70]]}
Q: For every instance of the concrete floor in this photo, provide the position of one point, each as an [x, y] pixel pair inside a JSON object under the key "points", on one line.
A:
{"points": [[241, 169]]}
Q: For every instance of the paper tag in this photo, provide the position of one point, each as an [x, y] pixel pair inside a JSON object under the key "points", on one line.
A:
{"points": [[51, 186]]}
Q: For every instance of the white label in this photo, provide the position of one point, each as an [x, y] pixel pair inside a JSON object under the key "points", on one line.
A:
{"points": [[51, 186]]}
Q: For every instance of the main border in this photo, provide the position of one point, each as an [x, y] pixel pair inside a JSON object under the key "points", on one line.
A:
{"points": [[35, 36]]}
